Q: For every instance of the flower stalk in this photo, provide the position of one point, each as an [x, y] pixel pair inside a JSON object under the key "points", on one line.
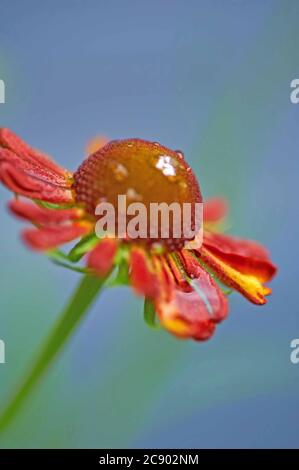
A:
{"points": [[79, 304]]}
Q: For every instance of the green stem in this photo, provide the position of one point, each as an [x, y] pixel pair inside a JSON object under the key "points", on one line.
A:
{"points": [[78, 305]]}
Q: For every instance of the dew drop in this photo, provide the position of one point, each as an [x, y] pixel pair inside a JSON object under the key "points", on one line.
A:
{"points": [[180, 154]]}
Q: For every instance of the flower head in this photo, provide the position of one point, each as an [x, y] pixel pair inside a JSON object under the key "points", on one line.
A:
{"points": [[184, 285]]}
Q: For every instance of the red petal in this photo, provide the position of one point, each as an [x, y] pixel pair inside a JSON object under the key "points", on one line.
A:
{"points": [[248, 285], [102, 256], [183, 317], [42, 215], [11, 141], [43, 239], [142, 274], [31, 186], [194, 313], [245, 256], [31, 174], [214, 209]]}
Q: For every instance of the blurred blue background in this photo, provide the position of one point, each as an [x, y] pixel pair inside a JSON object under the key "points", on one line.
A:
{"points": [[211, 78]]}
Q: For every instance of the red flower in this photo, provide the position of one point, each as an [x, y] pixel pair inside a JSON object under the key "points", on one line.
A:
{"points": [[182, 284]]}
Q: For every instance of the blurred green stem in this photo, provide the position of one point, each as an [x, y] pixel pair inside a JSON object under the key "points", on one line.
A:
{"points": [[78, 305]]}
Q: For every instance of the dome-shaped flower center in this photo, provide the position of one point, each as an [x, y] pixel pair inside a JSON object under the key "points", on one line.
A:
{"points": [[144, 172]]}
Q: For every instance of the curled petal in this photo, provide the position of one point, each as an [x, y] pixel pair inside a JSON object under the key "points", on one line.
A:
{"points": [[229, 244], [43, 239], [214, 210], [21, 182], [245, 256], [101, 258], [41, 215], [142, 274], [11, 141], [248, 285], [180, 317], [30, 173], [194, 313]]}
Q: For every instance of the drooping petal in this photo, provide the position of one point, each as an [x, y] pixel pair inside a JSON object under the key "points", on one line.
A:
{"points": [[206, 287], [181, 317], [28, 172], [43, 239], [214, 210], [248, 285], [245, 256], [229, 244], [194, 312], [41, 215], [101, 258], [142, 274], [11, 141]]}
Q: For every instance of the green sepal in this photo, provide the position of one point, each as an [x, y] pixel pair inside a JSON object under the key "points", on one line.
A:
{"points": [[52, 205], [61, 259], [149, 315], [82, 247], [120, 275]]}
